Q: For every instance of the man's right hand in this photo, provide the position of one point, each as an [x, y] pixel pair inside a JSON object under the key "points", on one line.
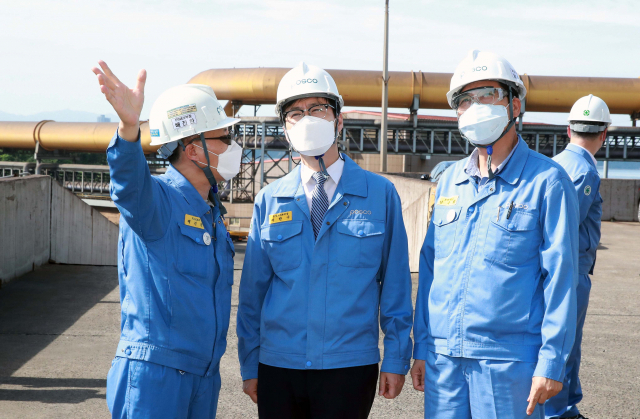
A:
{"points": [[417, 374], [126, 102], [250, 388]]}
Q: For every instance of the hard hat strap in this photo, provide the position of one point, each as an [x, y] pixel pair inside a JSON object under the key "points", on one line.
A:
{"points": [[584, 127], [207, 169]]}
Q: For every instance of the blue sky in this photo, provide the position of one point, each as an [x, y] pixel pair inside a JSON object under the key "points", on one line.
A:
{"points": [[48, 47]]}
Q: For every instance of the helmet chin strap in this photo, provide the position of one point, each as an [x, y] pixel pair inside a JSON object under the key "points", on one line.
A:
{"points": [[489, 147], [323, 168], [213, 192]]}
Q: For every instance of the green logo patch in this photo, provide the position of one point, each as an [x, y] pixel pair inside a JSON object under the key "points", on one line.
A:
{"points": [[587, 190], [586, 112]]}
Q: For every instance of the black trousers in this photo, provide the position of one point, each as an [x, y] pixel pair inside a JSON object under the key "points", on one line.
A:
{"points": [[342, 393]]}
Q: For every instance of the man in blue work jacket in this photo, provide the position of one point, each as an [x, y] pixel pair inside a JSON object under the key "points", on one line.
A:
{"points": [[326, 266], [588, 122], [496, 307], [175, 258]]}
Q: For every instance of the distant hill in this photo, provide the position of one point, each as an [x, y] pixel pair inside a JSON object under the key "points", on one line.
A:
{"points": [[66, 115]]}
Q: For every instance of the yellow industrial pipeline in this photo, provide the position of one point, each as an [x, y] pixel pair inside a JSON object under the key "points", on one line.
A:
{"points": [[71, 136], [256, 86]]}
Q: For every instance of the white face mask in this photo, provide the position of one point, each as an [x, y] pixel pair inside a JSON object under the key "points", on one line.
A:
{"points": [[228, 162], [483, 124], [312, 136]]}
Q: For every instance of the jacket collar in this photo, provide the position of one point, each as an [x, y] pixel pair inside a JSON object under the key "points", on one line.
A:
{"points": [[511, 172], [581, 151], [187, 190], [353, 181]]}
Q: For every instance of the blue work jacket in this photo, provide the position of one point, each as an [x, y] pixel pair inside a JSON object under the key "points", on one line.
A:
{"points": [[498, 268], [580, 166], [319, 304], [175, 266]]}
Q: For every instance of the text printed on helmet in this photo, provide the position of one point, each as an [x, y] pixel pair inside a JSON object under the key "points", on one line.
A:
{"points": [[305, 81]]}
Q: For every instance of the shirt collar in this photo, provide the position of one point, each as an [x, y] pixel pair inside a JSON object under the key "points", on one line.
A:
{"points": [[472, 169], [353, 180], [334, 171], [583, 151], [509, 173], [187, 190]]}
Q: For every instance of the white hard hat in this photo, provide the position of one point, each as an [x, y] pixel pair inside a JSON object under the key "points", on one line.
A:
{"points": [[307, 81], [186, 110], [484, 65], [592, 111]]}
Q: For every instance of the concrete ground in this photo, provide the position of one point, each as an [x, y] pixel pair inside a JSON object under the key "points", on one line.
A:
{"points": [[59, 328]]}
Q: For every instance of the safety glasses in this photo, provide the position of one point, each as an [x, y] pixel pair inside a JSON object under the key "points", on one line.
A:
{"points": [[481, 96]]}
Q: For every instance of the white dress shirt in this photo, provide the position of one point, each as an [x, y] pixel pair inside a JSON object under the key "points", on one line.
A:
{"points": [[330, 185]]}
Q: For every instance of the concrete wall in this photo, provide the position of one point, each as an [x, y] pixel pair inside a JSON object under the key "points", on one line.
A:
{"points": [[620, 198], [417, 197], [80, 235], [24, 225], [42, 222]]}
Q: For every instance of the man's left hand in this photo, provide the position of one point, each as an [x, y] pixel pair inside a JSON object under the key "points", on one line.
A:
{"points": [[390, 385], [542, 389]]}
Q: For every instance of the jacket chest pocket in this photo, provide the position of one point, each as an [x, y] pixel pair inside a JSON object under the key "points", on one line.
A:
{"points": [[283, 244], [445, 222], [515, 240], [195, 251], [360, 243]]}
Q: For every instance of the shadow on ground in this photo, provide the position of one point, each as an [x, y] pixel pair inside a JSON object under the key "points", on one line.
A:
{"points": [[42, 305]]}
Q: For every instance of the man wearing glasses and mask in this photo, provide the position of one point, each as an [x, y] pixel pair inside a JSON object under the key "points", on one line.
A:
{"points": [[175, 257], [496, 309], [326, 266]]}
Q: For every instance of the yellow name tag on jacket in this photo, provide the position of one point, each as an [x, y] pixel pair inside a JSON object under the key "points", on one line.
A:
{"points": [[193, 221], [448, 200], [280, 217]]}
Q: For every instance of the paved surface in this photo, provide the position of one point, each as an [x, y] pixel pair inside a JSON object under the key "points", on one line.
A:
{"points": [[59, 328]]}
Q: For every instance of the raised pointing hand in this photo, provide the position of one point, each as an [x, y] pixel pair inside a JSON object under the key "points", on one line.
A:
{"points": [[126, 102]]}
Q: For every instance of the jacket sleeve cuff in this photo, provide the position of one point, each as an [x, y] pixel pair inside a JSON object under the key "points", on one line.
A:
{"points": [[549, 369], [420, 351], [125, 146], [249, 373], [395, 366]]}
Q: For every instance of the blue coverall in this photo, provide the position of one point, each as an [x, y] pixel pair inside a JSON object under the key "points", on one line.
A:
{"points": [[580, 165], [175, 269], [319, 304], [496, 300]]}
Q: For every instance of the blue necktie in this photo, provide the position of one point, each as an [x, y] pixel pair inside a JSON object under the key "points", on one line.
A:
{"points": [[319, 203]]}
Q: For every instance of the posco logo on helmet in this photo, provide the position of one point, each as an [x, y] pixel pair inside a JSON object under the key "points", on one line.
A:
{"points": [[305, 81], [483, 68]]}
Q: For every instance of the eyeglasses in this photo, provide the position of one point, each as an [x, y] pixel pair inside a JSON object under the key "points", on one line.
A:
{"points": [[481, 96], [318, 111]]}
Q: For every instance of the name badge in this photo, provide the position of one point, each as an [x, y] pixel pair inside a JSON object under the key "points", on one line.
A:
{"points": [[193, 221], [451, 200], [280, 217]]}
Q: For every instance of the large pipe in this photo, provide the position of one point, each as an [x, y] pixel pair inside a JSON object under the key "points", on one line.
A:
{"points": [[257, 86], [70, 136]]}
